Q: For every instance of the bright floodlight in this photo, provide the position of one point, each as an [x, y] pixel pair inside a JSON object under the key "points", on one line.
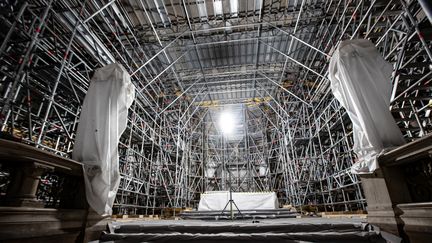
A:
{"points": [[226, 123]]}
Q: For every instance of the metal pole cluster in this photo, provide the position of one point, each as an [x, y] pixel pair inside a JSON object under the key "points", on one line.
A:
{"points": [[267, 61]]}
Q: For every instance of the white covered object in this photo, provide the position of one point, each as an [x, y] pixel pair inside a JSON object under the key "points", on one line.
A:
{"points": [[103, 119], [360, 81], [216, 200]]}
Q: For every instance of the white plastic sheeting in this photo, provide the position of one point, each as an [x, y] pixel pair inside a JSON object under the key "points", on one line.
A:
{"points": [[360, 81], [216, 200], [103, 119]]}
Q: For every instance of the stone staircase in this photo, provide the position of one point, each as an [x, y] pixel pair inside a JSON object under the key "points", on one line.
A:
{"points": [[275, 230]]}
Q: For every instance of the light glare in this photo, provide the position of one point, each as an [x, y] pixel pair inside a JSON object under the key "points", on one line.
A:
{"points": [[226, 123]]}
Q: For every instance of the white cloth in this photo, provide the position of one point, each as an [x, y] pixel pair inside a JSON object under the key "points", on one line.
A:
{"points": [[217, 200], [103, 119], [360, 81]]}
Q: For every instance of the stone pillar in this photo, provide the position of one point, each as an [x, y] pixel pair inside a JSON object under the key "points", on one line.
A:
{"points": [[25, 178], [384, 190]]}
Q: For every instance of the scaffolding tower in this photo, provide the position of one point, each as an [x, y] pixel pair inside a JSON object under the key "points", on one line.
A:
{"points": [[265, 60]]}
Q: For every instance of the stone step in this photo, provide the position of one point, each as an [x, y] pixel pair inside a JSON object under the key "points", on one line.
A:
{"points": [[244, 214], [279, 230]]}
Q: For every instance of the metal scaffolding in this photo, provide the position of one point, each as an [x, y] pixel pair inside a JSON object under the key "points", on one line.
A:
{"points": [[264, 60]]}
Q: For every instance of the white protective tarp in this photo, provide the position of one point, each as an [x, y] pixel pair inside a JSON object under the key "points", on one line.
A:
{"points": [[217, 200], [361, 81], [103, 119]]}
